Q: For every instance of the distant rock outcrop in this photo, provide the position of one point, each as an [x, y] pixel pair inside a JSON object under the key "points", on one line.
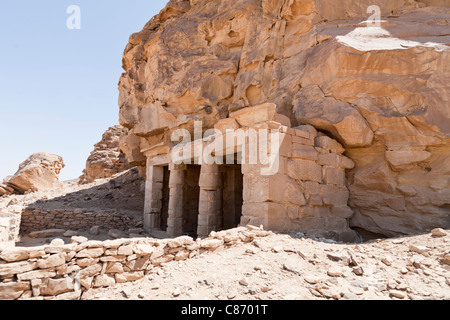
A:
{"points": [[39, 172], [106, 160]]}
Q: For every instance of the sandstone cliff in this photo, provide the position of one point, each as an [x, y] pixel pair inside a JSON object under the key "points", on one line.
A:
{"points": [[382, 91]]}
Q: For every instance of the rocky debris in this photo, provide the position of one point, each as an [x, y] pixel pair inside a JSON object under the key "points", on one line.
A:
{"points": [[300, 56], [228, 272], [106, 159], [40, 172]]}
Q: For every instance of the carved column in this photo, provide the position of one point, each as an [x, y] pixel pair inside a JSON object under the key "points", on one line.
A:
{"points": [[176, 185], [210, 206], [153, 198]]}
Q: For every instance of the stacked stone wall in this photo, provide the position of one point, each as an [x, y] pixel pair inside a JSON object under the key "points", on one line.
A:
{"points": [[65, 272]]}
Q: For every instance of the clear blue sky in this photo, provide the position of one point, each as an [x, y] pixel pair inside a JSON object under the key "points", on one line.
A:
{"points": [[58, 87]]}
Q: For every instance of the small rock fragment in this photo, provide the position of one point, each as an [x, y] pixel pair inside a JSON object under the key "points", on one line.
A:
{"points": [[397, 294], [57, 242], [418, 249], [277, 249], [336, 256], [387, 260], [311, 279], [438, 232], [243, 282], [176, 292], [70, 233], [292, 266], [78, 239], [359, 271], [335, 272], [95, 230], [126, 293]]}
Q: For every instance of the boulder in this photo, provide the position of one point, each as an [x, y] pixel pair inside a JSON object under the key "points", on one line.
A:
{"points": [[40, 172]]}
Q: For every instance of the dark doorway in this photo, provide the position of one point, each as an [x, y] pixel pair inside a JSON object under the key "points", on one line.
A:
{"points": [[233, 182], [165, 199], [191, 199]]}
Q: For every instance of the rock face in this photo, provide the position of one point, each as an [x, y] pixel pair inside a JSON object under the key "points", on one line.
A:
{"points": [[106, 160], [381, 91], [39, 172]]}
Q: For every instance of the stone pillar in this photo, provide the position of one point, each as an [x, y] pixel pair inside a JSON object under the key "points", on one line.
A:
{"points": [[176, 185], [209, 218], [153, 198]]}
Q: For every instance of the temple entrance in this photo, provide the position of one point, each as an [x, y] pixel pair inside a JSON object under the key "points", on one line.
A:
{"points": [[193, 199]]}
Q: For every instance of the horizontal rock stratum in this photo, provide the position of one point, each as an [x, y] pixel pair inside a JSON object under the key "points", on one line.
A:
{"points": [[382, 91]]}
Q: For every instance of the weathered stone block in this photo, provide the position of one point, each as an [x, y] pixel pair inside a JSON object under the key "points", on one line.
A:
{"points": [[87, 262], [210, 243], [129, 276], [267, 188], [180, 242], [347, 163], [53, 287], [334, 195], [52, 261], [104, 281], [329, 144], [301, 151], [14, 255], [343, 212], [303, 141], [306, 131], [114, 267], [300, 169], [13, 290], [90, 253], [329, 159], [38, 274], [252, 115], [334, 176]]}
